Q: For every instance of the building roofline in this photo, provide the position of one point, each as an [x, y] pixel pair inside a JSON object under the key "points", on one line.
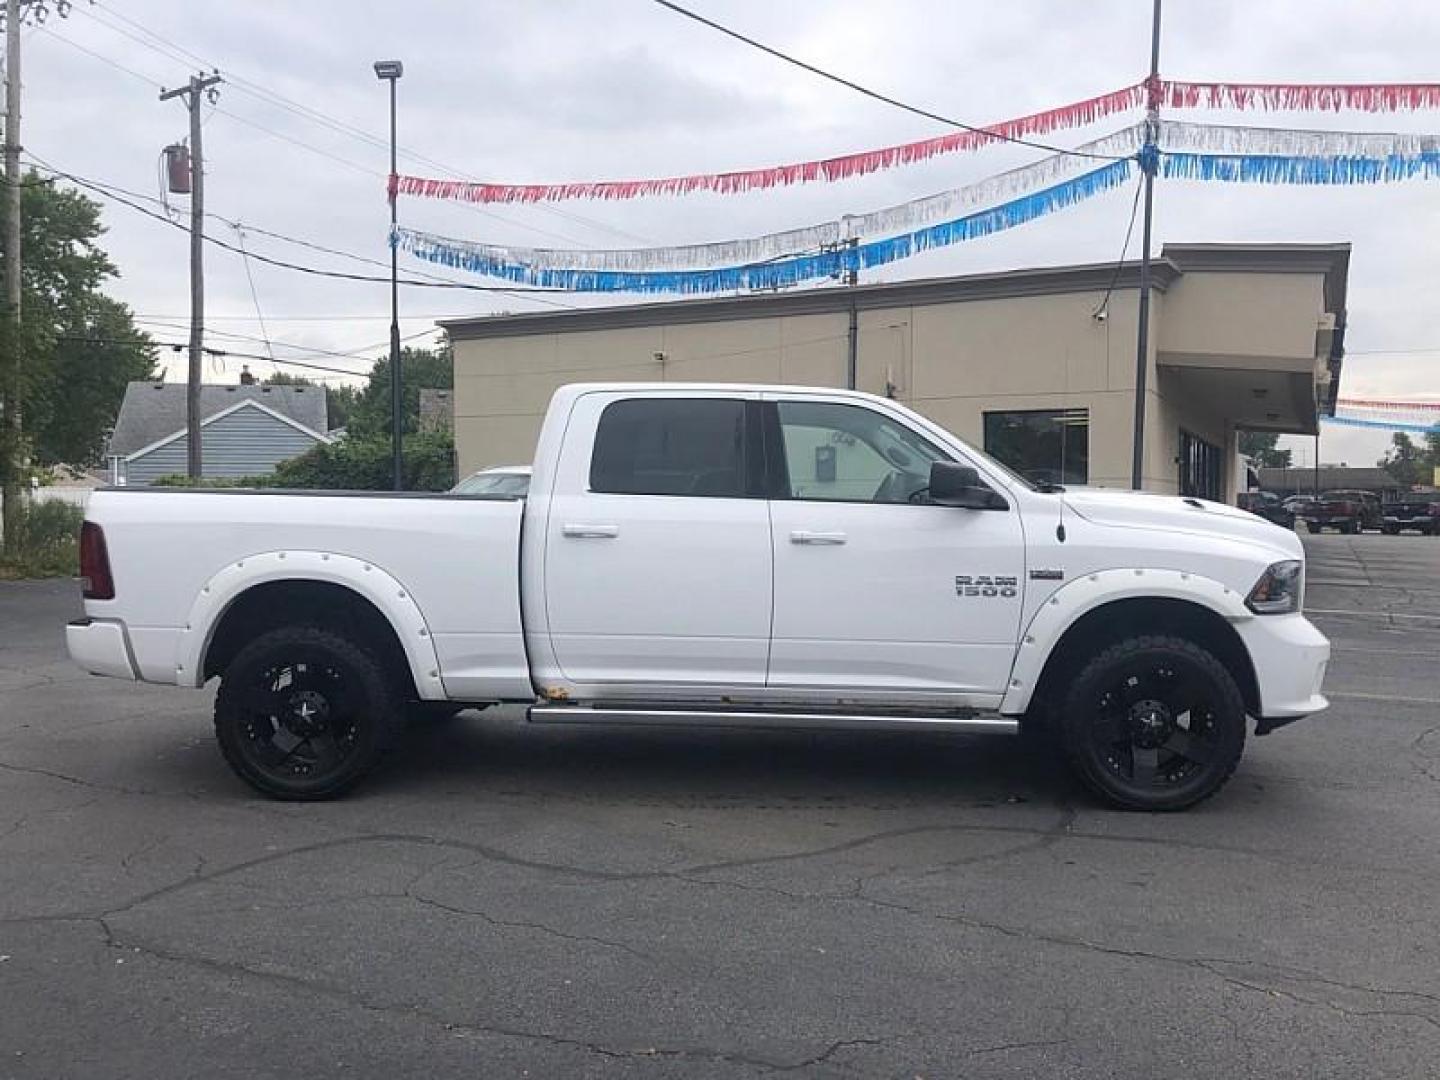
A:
{"points": [[1175, 259], [245, 403], [1007, 284]]}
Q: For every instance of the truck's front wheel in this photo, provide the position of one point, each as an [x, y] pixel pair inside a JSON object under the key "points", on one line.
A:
{"points": [[1153, 723], [303, 713]]}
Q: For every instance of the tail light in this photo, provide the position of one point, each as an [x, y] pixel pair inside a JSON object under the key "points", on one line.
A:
{"points": [[95, 580]]}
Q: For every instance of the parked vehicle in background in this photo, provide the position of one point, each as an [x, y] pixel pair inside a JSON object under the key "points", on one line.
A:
{"points": [[1349, 511], [1296, 504], [1266, 504], [741, 556], [497, 480], [1418, 512]]}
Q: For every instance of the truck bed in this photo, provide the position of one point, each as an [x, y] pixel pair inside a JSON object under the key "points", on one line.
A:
{"points": [[456, 559]]}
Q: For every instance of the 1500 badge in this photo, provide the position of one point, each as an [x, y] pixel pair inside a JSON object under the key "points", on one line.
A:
{"points": [[986, 585]]}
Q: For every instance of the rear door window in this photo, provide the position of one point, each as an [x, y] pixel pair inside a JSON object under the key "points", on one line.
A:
{"points": [[671, 446]]}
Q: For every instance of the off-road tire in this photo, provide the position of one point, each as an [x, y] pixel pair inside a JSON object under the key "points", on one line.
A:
{"points": [[1087, 713], [248, 716]]}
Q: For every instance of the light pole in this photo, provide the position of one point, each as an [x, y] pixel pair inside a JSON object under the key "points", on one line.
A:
{"points": [[390, 71]]}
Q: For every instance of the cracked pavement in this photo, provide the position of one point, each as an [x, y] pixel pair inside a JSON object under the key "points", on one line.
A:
{"points": [[507, 901]]}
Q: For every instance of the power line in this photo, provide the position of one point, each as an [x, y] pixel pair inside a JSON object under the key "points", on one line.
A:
{"points": [[179, 53], [875, 94], [1124, 250], [179, 346], [310, 244], [282, 263]]}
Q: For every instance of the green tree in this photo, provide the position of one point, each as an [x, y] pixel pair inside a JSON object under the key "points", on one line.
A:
{"points": [[419, 368], [339, 400], [1260, 447], [1404, 460], [80, 347]]}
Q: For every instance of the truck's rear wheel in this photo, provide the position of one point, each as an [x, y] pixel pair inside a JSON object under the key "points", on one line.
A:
{"points": [[1153, 723], [1314, 527], [304, 713]]}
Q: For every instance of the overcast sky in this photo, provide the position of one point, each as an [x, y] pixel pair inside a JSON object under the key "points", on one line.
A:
{"points": [[583, 89]]}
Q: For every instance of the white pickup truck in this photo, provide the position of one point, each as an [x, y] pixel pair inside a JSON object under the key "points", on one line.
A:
{"points": [[715, 555]]}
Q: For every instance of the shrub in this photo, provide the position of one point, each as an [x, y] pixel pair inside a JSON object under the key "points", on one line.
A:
{"points": [[364, 464], [180, 480], [48, 541]]}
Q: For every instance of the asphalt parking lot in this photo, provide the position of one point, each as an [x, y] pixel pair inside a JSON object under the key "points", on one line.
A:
{"points": [[503, 901]]}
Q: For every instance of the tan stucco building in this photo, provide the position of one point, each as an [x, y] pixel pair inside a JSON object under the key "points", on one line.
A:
{"points": [[1036, 366]]}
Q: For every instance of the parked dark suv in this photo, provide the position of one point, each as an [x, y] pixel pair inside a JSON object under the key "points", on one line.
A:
{"points": [[1348, 510], [1418, 512], [1266, 504]]}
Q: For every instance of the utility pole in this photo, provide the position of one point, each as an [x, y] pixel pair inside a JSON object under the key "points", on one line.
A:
{"points": [[1149, 159], [13, 446], [193, 93]]}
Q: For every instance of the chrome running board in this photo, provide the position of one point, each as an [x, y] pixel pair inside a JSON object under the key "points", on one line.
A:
{"points": [[967, 723]]}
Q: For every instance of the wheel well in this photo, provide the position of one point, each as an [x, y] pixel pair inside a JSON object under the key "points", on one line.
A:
{"points": [[291, 602], [1122, 619]]}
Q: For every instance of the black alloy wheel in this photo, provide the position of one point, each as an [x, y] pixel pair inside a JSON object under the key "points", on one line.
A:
{"points": [[1154, 723], [304, 713]]}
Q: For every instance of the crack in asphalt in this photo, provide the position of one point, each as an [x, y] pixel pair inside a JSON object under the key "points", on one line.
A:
{"points": [[1212, 965], [431, 1018], [1418, 745]]}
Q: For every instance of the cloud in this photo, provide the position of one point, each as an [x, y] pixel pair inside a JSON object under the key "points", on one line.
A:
{"points": [[606, 88]]}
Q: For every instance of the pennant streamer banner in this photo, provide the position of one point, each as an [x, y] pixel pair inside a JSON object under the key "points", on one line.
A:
{"points": [[1389, 406], [481, 259], [1291, 142], [1282, 169], [1366, 97], [1301, 97], [1386, 425], [1075, 114], [814, 238]]}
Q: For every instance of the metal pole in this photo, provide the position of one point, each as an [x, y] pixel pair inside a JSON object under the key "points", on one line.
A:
{"points": [[1148, 161], [11, 444], [396, 446], [1317, 457], [852, 353]]}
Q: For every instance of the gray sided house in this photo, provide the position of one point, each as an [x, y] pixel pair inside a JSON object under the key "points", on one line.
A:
{"points": [[246, 430]]}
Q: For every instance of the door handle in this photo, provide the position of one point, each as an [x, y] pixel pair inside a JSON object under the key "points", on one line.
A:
{"points": [[804, 536], [590, 532]]}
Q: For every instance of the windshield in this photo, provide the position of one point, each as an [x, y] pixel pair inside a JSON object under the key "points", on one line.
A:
{"points": [[493, 483]]}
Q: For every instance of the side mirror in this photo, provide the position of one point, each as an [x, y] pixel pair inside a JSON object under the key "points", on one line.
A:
{"points": [[959, 485]]}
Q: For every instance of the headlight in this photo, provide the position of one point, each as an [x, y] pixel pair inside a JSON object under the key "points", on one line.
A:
{"points": [[1278, 590]]}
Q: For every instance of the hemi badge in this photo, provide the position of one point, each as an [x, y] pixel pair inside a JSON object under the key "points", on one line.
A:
{"points": [[1047, 575]]}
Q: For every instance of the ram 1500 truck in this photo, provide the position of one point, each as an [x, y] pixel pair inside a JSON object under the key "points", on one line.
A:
{"points": [[715, 555]]}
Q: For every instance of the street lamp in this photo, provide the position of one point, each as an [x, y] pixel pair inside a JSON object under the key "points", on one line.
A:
{"points": [[390, 71]]}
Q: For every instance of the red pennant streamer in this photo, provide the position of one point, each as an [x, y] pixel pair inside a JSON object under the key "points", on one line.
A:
{"points": [[1280, 97], [837, 168]]}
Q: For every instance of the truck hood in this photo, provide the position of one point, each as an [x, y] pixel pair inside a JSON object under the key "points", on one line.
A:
{"points": [[1169, 513]]}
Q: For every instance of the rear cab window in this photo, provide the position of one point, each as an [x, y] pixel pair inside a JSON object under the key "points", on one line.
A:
{"points": [[688, 447]]}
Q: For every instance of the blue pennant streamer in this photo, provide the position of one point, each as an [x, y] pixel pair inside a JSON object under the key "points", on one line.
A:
{"points": [[1387, 425], [1324, 169], [780, 272]]}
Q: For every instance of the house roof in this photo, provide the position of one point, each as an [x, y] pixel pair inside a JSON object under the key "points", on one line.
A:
{"points": [[152, 412], [243, 403]]}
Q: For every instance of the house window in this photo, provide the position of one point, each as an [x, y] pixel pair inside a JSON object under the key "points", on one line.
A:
{"points": [[1199, 467], [671, 446], [1046, 446]]}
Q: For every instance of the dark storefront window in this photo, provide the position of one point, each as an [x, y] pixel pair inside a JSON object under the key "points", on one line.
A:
{"points": [[1050, 446], [1199, 467]]}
